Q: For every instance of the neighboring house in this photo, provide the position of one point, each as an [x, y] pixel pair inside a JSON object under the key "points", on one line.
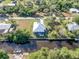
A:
{"points": [[73, 26], [4, 28], [74, 10], [39, 28]]}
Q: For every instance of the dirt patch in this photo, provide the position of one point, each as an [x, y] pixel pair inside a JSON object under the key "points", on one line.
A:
{"points": [[25, 24]]}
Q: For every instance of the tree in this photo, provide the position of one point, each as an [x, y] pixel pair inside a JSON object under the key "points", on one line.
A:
{"points": [[53, 35], [54, 54], [41, 54], [64, 5], [27, 10], [3, 55], [20, 36], [64, 53], [22, 10], [76, 19]]}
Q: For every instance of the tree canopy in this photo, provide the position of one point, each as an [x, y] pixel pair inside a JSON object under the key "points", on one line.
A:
{"points": [[20, 36], [3, 55], [29, 7]]}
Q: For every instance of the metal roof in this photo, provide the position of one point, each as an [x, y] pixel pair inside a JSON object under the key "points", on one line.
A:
{"points": [[4, 26], [38, 27]]}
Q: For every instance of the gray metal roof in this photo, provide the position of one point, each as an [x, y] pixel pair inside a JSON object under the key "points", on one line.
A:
{"points": [[38, 27]]}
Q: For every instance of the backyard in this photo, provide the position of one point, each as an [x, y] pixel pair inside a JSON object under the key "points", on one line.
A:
{"points": [[26, 24]]}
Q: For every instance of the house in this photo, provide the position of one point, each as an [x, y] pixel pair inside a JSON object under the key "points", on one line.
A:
{"points": [[72, 26], [4, 28], [74, 10], [39, 28]]}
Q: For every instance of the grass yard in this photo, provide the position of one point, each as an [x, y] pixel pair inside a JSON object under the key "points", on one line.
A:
{"points": [[25, 24]]}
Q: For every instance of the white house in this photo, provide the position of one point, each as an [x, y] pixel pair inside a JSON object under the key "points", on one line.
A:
{"points": [[39, 28], [4, 28], [72, 26], [74, 10]]}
